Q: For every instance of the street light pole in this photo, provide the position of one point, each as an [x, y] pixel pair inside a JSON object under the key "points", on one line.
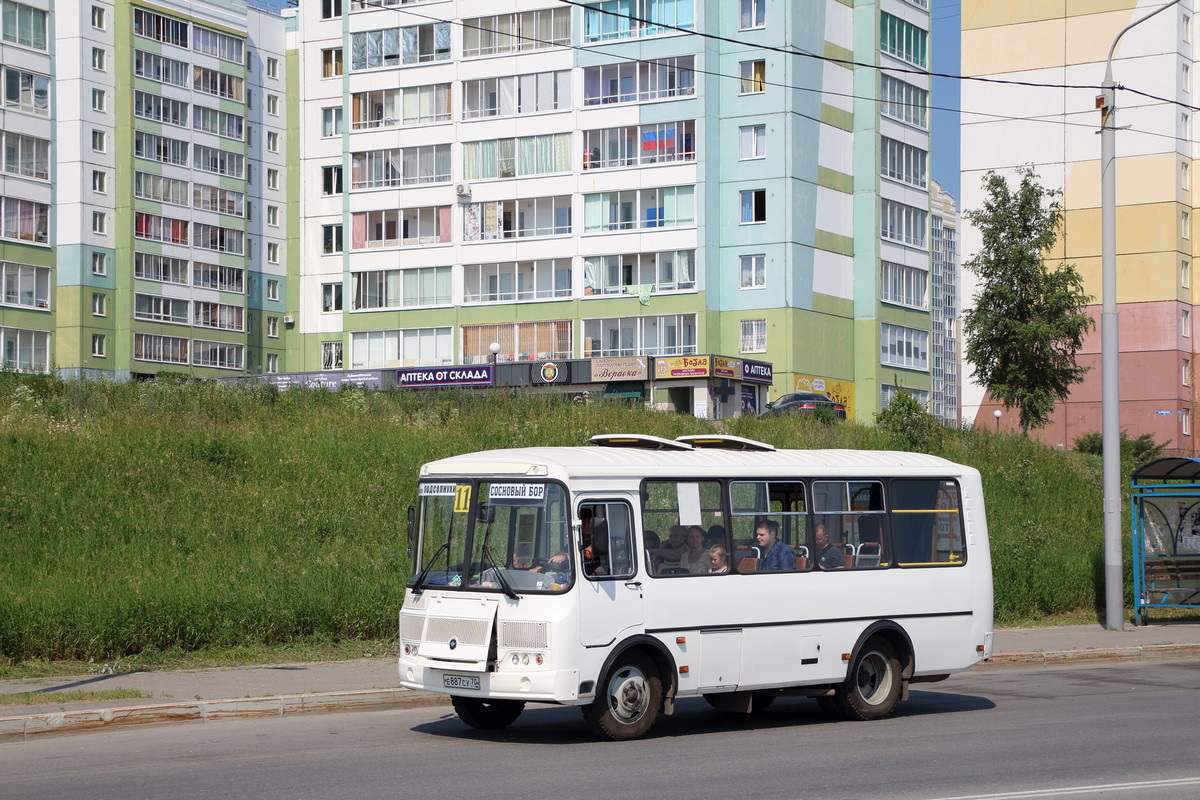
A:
{"points": [[1114, 591]]}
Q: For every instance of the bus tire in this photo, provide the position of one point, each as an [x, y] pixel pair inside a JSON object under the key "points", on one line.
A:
{"points": [[487, 715], [872, 687], [628, 701]]}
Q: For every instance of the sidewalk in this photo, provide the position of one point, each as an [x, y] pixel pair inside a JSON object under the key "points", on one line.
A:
{"points": [[211, 694]]}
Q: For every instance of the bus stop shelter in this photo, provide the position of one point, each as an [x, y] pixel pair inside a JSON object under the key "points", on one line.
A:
{"points": [[1165, 506]]}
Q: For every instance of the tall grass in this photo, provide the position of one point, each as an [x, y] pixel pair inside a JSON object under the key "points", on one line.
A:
{"points": [[157, 516]]}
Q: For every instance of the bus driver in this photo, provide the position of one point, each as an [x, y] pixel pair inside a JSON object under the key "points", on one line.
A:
{"points": [[776, 556]]}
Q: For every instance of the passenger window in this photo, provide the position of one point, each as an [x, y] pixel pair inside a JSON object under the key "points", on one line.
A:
{"points": [[682, 522], [769, 526], [606, 539], [849, 525], [927, 522]]}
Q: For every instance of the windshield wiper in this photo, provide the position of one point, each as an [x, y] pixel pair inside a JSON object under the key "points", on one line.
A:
{"points": [[488, 557], [419, 583]]}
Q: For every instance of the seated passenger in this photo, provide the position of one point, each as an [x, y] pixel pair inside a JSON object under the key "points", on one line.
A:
{"points": [[652, 558], [828, 556], [718, 559], [695, 557], [776, 556], [716, 535], [674, 546]]}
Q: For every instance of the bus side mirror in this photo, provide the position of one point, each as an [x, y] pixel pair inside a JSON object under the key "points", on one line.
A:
{"points": [[412, 517]]}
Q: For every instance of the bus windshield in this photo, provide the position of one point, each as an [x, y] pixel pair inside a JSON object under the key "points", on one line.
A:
{"points": [[501, 536]]}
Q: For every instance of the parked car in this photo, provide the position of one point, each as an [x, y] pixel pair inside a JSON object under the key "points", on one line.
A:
{"points": [[804, 403]]}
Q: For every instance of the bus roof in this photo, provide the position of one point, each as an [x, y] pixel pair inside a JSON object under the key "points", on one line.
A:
{"points": [[626, 462]]}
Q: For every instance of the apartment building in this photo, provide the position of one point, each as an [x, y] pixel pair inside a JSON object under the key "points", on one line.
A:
{"points": [[146, 188], [945, 270], [1054, 129], [597, 181]]}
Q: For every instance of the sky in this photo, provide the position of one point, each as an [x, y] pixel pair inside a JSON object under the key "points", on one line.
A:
{"points": [[947, 41]]}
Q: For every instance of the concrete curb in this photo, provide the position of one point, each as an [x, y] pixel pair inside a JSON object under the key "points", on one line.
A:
{"points": [[1052, 658], [25, 727]]}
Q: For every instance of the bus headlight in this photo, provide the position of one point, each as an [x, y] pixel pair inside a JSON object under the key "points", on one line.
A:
{"points": [[410, 649], [527, 659]]}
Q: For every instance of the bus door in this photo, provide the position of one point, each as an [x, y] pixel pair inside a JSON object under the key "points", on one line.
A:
{"points": [[610, 592]]}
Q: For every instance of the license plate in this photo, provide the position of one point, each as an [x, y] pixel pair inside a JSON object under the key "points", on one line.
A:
{"points": [[460, 682]]}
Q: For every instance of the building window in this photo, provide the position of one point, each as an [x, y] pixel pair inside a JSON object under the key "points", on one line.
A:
{"points": [[405, 227], [667, 335], [628, 273], [99, 222], [331, 180], [754, 336], [213, 276], [904, 347], [903, 101], [331, 297], [633, 209], [902, 162], [1185, 324], [405, 166], [218, 354], [902, 223], [99, 304], [98, 345], [331, 62], [507, 281], [160, 28], [508, 219], [98, 100], [24, 25], [273, 105], [753, 272], [272, 178], [1185, 176], [272, 362], [1185, 225], [404, 348], [754, 206], [903, 40], [27, 156], [511, 33], [754, 77], [331, 121], [517, 94], [272, 252], [273, 327], [272, 67], [1185, 274], [1185, 376], [98, 18], [637, 82], [1185, 422], [273, 216], [331, 355], [331, 239], [389, 108], [392, 47], [628, 146], [98, 143], [521, 341], [27, 92], [752, 142], [1185, 78], [98, 59], [99, 263], [903, 285], [272, 289], [395, 288], [163, 269], [753, 14], [273, 141], [331, 9], [610, 20], [99, 181], [25, 285]]}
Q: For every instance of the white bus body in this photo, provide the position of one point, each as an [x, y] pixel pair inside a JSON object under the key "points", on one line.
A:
{"points": [[506, 606]]}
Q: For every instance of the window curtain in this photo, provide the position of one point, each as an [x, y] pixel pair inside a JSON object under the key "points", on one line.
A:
{"points": [[443, 222], [508, 96], [411, 45]]}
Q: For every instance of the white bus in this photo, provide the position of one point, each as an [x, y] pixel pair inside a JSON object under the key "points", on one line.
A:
{"points": [[547, 574]]}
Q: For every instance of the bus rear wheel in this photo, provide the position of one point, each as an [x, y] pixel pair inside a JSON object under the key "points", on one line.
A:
{"points": [[872, 687], [487, 715], [628, 701]]}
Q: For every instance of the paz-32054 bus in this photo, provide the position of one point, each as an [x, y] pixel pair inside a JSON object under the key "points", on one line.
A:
{"points": [[623, 576]]}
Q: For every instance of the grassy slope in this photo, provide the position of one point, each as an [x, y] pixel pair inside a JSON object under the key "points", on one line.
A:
{"points": [[157, 517]]}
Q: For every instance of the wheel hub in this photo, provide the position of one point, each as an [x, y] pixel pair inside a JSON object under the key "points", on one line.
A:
{"points": [[629, 696]]}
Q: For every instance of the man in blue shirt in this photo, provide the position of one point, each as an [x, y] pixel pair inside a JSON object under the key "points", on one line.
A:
{"points": [[776, 556]]}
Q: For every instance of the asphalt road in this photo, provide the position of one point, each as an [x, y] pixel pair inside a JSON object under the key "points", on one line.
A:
{"points": [[1128, 731]]}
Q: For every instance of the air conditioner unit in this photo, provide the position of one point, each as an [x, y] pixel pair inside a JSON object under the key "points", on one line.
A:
{"points": [[288, 319], [462, 189]]}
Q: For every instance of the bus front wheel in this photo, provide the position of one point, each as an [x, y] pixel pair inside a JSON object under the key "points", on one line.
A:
{"points": [[628, 701], [872, 688], [487, 715]]}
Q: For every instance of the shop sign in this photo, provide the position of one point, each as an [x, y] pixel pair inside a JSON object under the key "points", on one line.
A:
{"points": [[838, 391], [682, 367], [749, 400], [757, 372], [544, 372], [442, 377], [619, 369], [727, 367], [364, 379]]}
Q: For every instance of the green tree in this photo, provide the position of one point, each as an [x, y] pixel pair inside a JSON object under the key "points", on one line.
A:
{"points": [[908, 425], [1029, 318]]}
